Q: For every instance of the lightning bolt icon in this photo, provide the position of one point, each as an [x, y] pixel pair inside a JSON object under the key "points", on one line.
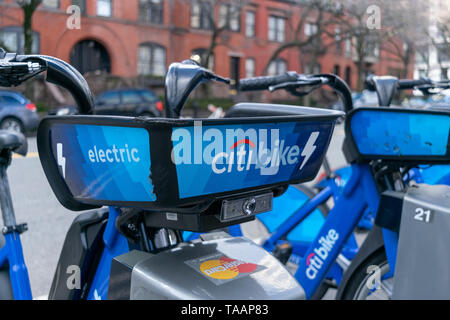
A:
{"points": [[309, 148], [61, 160]]}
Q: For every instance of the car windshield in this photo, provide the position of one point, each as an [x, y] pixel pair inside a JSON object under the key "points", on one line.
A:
{"points": [[131, 97], [8, 99]]}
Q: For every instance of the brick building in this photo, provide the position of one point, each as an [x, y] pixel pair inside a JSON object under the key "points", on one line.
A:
{"points": [[131, 37]]}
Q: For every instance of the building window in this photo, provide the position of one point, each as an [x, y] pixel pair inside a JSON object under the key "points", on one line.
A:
{"points": [[443, 52], [348, 76], [151, 59], [337, 70], [338, 39], [104, 8], [249, 24], [348, 45], [444, 73], [201, 15], [50, 4], [81, 4], [200, 56], [310, 29], [151, 11], [313, 68], [277, 28], [278, 66], [12, 40], [230, 17], [250, 68]]}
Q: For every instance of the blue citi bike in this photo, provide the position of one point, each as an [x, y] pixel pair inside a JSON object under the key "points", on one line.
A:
{"points": [[148, 173], [353, 199]]}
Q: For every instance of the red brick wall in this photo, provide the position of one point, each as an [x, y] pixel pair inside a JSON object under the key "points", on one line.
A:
{"points": [[122, 34]]}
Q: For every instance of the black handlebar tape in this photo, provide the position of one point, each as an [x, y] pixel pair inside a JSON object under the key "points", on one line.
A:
{"points": [[410, 84], [66, 76], [263, 83]]}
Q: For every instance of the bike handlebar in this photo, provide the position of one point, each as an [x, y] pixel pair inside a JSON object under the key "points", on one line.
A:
{"points": [[16, 69], [264, 83], [63, 74], [292, 80], [405, 84]]}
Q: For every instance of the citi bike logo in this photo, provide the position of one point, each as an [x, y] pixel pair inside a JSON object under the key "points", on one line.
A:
{"points": [[244, 149], [315, 260]]}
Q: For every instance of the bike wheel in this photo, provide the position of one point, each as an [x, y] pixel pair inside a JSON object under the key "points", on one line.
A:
{"points": [[361, 287]]}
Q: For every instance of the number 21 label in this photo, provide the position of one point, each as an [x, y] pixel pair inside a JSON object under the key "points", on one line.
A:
{"points": [[423, 215]]}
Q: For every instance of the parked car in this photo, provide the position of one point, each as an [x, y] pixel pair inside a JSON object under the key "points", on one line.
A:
{"points": [[122, 102], [17, 113]]}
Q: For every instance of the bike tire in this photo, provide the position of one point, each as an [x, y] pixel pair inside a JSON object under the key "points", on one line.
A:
{"points": [[354, 285]]}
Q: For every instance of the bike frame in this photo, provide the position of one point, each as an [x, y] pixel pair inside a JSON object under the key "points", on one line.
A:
{"points": [[115, 244], [358, 194], [12, 254]]}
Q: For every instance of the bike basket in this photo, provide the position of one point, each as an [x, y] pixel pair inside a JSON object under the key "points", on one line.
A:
{"points": [[169, 164], [398, 134]]}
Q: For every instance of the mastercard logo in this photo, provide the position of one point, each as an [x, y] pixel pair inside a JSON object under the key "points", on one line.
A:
{"points": [[226, 268]]}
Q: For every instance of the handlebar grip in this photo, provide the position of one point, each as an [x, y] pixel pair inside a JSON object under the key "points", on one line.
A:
{"points": [[405, 84], [263, 83]]}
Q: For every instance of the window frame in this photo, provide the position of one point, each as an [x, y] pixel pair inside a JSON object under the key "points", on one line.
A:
{"points": [[152, 46], [247, 25], [277, 62], [58, 5], [149, 6], [110, 8], [20, 40], [277, 29], [253, 60], [229, 7], [202, 5], [83, 7]]}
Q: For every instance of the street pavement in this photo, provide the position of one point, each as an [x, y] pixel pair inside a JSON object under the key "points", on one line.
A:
{"points": [[48, 221]]}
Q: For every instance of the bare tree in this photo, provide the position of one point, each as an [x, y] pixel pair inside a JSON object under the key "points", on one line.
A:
{"points": [[229, 13], [315, 13], [28, 8], [407, 22], [361, 22]]}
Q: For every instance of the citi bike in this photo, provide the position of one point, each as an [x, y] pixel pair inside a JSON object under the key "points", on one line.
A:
{"points": [[158, 177], [386, 87], [402, 256], [370, 176]]}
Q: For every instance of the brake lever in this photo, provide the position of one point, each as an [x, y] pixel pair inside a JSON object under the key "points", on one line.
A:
{"points": [[13, 72]]}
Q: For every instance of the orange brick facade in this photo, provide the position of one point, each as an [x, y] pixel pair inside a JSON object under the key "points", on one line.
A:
{"points": [[122, 33]]}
